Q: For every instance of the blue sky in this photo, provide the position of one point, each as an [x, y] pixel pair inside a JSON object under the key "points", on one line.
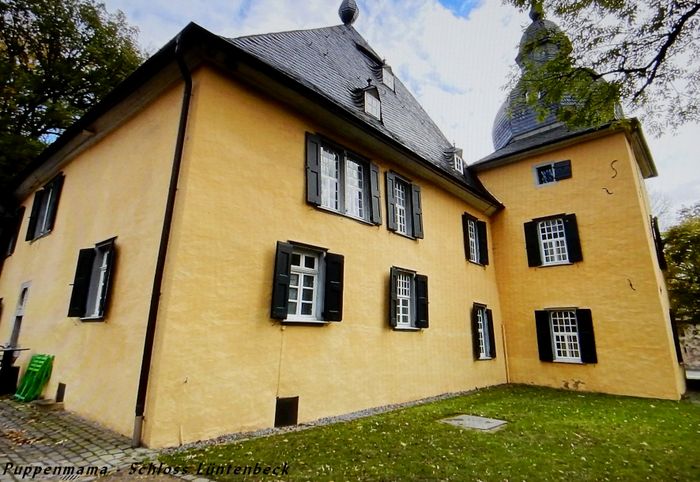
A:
{"points": [[461, 8], [454, 55]]}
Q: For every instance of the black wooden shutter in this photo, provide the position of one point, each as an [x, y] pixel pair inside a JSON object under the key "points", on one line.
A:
{"points": [[34, 216], [492, 339], [483, 242], [573, 243], [110, 252], [81, 283], [393, 296], [532, 244], [417, 211], [9, 231], [562, 170], [676, 340], [658, 243], [280, 284], [544, 336], [375, 195], [421, 283], [390, 202], [465, 228], [313, 171], [333, 295], [475, 332], [52, 208], [586, 338]]}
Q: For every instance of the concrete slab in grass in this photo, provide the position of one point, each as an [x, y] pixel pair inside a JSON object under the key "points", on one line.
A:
{"points": [[473, 422]]}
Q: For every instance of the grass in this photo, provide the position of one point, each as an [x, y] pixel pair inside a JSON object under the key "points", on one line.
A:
{"points": [[551, 435]]}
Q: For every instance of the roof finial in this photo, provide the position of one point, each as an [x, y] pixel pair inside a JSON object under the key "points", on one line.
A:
{"points": [[536, 10], [348, 11]]}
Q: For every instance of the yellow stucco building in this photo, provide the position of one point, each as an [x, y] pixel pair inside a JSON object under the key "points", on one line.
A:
{"points": [[269, 230]]}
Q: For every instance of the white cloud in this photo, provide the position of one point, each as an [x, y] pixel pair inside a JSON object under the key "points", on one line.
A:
{"points": [[455, 66]]}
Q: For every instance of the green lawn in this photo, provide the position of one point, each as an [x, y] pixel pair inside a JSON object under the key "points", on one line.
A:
{"points": [[551, 435]]}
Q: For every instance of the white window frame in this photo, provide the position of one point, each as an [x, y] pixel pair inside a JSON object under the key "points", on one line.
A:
{"points": [[458, 163], [97, 286], [566, 345], [536, 173], [373, 105], [402, 207], [339, 187], [388, 78], [302, 271], [330, 178], [19, 315], [473, 241], [552, 240], [483, 333], [405, 301]]}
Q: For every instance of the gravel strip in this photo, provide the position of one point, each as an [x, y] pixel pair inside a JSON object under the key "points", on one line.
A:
{"points": [[240, 436]]}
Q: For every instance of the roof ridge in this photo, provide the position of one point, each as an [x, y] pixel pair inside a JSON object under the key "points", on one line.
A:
{"points": [[268, 34]]}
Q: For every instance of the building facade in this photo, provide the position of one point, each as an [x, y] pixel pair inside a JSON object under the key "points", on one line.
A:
{"points": [[245, 235]]}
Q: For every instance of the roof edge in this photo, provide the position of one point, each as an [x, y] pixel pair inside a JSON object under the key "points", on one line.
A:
{"points": [[631, 127]]}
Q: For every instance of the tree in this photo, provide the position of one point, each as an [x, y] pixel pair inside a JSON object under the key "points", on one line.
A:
{"points": [[57, 59], [641, 54], [682, 249]]}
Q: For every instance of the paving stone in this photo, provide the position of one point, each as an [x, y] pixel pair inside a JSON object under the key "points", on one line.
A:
{"points": [[60, 438], [474, 422]]}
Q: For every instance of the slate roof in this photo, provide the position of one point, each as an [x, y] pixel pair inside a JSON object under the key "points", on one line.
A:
{"points": [[556, 133], [337, 63]]}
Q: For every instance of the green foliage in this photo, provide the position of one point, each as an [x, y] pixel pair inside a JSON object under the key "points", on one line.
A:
{"points": [[682, 249], [641, 54], [550, 435], [57, 59]]}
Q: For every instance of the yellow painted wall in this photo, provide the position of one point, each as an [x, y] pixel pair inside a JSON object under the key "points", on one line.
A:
{"points": [[618, 278], [220, 361], [117, 187]]}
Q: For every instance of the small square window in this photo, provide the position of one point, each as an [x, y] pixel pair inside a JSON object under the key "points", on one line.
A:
{"points": [[459, 164], [552, 172], [373, 105], [388, 77]]}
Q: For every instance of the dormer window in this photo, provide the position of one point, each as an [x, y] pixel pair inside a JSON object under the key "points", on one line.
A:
{"points": [[388, 77], [458, 163], [373, 105]]}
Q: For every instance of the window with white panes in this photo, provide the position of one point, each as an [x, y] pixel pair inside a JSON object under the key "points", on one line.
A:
{"points": [[89, 299], [400, 199], [565, 338], [355, 189], [473, 241], [330, 179], [553, 241], [303, 286], [403, 300], [373, 105], [459, 164], [482, 331]]}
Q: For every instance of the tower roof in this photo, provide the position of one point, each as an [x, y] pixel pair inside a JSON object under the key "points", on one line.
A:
{"points": [[542, 41]]}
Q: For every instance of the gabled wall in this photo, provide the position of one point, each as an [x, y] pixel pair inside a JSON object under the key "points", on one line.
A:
{"points": [[618, 279], [115, 187], [220, 360]]}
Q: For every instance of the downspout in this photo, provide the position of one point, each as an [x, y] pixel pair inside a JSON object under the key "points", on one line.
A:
{"points": [[163, 248]]}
